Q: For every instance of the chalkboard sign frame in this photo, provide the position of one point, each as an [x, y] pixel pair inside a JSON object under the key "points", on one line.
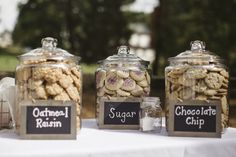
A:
{"points": [[45, 103], [101, 117], [170, 125]]}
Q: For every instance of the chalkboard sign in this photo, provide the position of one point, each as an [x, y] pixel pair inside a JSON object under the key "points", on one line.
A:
{"points": [[48, 120], [121, 113], [195, 118]]}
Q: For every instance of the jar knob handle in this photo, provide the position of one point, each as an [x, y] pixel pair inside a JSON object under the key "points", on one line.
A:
{"points": [[197, 45], [123, 50], [49, 42]]}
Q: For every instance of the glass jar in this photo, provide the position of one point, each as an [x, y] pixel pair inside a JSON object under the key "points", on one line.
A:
{"points": [[197, 74], [150, 115], [49, 73], [7, 92], [122, 75]]}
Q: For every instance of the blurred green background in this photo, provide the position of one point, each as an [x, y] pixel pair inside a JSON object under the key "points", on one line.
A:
{"points": [[93, 29]]}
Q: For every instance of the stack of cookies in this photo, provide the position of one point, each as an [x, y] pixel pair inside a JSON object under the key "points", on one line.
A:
{"points": [[50, 80], [112, 83]]}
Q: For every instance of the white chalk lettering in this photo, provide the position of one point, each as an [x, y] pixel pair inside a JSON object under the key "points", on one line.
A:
{"points": [[66, 112], [46, 118], [121, 115], [50, 113], [112, 114], [47, 124], [195, 121], [194, 115], [181, 111], [36, 112], [178, 111]]}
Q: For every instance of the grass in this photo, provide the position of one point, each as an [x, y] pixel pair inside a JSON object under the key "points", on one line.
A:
{"points": [[8, 62], [89, 68]]}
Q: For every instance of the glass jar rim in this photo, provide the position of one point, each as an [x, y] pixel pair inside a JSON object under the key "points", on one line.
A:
{"points": [[197, 53], [123, 56]]}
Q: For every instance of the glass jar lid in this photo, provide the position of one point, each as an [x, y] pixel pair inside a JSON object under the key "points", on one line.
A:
{"points": [[48, 52], [197, 55], [124, 56]]}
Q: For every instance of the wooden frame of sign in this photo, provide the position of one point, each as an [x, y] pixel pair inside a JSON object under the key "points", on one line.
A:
{"points": [[48, 119], [119, 113], [195, 119]]}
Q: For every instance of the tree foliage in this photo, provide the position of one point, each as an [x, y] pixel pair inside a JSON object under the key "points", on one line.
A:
{"points": [[176, 23], [89, 28]]}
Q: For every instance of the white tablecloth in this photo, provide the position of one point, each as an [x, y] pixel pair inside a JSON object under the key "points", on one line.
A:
{"points": [[92, 142]]}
